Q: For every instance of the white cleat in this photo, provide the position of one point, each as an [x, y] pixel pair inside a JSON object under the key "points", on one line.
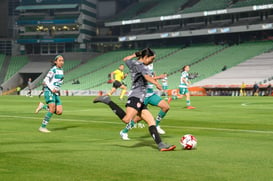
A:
{"points": [[44, 130], [39, 108], [159, 130], [124, 136]]}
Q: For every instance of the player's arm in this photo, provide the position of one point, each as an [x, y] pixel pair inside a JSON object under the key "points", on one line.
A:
{"points": [[47, 80], [162, 76], [153, 81], [112, 75], [185, 81], [130, 57]]}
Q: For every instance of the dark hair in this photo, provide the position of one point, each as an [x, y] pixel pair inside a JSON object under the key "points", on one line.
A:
{"points": [[145, 52], [184, 67], [56, 58]]}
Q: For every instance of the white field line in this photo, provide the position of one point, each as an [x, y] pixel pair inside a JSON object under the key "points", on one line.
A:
{"points": [[174, 127]]}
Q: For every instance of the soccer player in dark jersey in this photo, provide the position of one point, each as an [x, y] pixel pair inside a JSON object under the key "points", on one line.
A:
{"points": [[140, 76]]}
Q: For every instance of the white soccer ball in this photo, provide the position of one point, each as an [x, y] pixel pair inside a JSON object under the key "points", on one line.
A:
{"points": [[188, 142]]}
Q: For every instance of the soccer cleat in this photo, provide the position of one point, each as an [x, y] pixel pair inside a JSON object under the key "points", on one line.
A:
{"points": [[44, 130], [160, 130], [104, 99], [39, 108], [169, 100], [190, 107], [165, 147], [124, 136]]}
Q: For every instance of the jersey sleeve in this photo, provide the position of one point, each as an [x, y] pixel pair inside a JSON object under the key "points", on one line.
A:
{"points": [[48, 79]]}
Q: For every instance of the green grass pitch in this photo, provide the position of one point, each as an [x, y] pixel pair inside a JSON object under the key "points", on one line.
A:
{"points": [[235, 142]]}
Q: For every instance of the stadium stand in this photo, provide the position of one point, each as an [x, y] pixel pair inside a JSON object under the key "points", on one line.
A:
{"points": [[2, 58], [205, 59], [15, 64], [256, 69], [133, 10], [242, 3], [94, 73], [163, 7], [203, 6]]}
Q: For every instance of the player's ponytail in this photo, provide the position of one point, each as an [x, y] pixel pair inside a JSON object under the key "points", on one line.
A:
{"points": [[145, 52]]}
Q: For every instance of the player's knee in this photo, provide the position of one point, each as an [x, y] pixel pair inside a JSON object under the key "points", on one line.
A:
{"points": [[166, 108], [59, 112]]}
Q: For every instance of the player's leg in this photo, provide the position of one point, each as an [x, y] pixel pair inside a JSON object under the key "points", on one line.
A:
{"points": [[188, 101], [47, 118], [123, 91], [164, 108], [112, 105], [112, 91], [59, 106], [156, 100], [50, 100], [149, 119], [40, 107], [124, 132]]}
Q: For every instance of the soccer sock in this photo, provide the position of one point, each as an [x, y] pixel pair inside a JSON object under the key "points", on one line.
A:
{"points": [[129, 126], [45, 107], [154, 134], [46, 119], [122, 93], [117, 110], [188, 102], [160, 116]]}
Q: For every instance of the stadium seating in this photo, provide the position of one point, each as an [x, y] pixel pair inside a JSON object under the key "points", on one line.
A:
{"points": [[203, 6], [250, 3], [163, 8], [2, 58], [133, 10], [230, 57], [16, 63], [94, 74]]}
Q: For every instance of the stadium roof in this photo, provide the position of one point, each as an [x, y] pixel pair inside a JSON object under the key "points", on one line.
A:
{"points": [[55, 6]]}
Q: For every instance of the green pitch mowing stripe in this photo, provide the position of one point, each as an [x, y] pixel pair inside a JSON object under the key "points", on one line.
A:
{"points": [[234, 142]]}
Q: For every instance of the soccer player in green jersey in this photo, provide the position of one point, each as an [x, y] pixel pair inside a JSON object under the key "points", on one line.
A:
{"points": [[53, 82]]}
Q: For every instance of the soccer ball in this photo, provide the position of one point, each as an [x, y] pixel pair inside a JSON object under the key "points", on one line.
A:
{"points": [[188, 142]]}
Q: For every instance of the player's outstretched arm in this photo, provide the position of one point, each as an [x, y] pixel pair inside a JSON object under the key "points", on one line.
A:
{"points": [[129, 57]]}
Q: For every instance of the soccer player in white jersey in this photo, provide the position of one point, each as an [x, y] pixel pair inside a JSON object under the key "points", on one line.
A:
{"points": [[53, 82], [184, 84]]}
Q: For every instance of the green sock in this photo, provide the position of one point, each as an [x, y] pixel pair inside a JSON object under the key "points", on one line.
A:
{"points": [[160, 116], [45, 107], [46, 119], [129, 126], [188, 102]]}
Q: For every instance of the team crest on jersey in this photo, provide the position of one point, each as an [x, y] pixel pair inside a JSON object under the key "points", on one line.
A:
{"points": [[138, 105]]}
